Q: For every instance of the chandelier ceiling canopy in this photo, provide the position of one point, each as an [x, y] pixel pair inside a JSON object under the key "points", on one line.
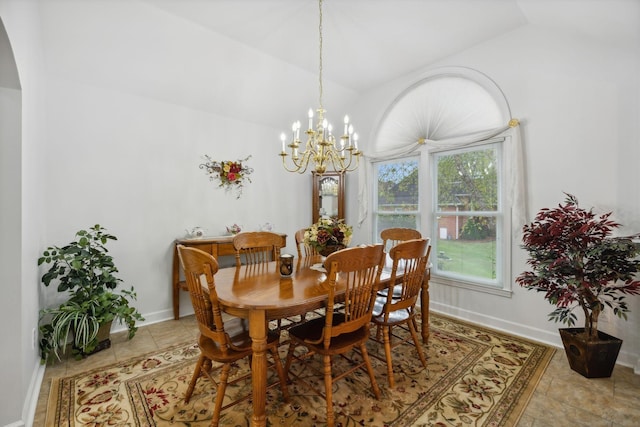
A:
{"points": [[323, 150]]}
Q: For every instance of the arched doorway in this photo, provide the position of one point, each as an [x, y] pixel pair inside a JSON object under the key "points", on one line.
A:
{"points": [[11, 328]]}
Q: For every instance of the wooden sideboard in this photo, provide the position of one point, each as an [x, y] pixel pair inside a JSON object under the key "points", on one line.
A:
{"points": [[215, 245]]}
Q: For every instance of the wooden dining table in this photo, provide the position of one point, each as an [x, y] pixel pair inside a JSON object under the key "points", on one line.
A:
{"points": [[259, 293]]}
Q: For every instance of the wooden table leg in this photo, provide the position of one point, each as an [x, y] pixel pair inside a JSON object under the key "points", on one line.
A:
{"points": [[258, 333], [424, 306], [175, 283]]}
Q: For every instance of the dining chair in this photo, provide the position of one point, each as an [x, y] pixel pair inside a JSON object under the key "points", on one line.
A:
{"points": [[304, 251], [257, 247], [224, 341], [391, 237], [303, 248], [353, 278], [390, 312]]}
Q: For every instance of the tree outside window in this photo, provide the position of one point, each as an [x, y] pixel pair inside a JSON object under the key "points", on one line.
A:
{"points": [[397, 194]]}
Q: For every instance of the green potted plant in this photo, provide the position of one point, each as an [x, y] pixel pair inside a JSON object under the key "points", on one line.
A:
{"points": [[577, 263], [86, 272]]}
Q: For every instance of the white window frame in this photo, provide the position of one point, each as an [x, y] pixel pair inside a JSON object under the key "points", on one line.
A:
{"points": [[502, 284]]}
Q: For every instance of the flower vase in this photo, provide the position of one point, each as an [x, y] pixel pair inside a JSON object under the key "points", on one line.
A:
{"points": [[329, 249]]}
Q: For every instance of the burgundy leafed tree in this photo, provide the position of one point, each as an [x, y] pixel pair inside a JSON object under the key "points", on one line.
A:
{"points": [[575, 262]]}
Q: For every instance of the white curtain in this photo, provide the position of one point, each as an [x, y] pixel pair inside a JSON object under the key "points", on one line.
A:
{"points": [[449, 110]]}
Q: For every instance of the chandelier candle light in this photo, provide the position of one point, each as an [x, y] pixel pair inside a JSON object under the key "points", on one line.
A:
{"points": [[322, 147]]}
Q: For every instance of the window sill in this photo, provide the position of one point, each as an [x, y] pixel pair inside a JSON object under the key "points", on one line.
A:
{"points": [[478, 287]]}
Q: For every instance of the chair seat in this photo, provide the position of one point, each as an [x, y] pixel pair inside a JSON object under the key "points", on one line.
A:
{"points": [[395, 317], [312, 331], [238, 332], [397, 292]]}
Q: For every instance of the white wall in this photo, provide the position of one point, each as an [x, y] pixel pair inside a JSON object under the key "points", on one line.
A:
{"points": [[20, 140], [578, 104], [10, 197], [131, 164]]}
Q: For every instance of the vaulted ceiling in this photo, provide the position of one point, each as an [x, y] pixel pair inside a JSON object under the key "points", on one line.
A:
{"points": [[258, 59], [367, 42]]}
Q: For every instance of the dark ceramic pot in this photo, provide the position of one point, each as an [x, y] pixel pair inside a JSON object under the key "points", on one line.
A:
{"points": [[591, 359], [328, 250]]}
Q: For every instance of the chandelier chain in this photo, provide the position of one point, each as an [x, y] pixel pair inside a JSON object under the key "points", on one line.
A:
{"points": [[320, 50]]}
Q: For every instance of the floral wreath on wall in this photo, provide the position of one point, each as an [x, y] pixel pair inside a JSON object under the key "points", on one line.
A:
{"points": [[228, 174]]}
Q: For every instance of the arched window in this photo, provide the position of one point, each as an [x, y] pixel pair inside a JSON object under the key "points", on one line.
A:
{"points": [[445, 161]]}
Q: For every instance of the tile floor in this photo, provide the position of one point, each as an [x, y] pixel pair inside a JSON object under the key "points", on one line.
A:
{"points": [[562, 398]]}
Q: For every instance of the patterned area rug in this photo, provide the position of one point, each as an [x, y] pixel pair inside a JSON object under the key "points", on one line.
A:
{"points": [[475, 377]]}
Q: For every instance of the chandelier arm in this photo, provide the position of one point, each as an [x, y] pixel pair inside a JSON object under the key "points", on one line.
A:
{"points": [[338, 161], [352, 154], [302, 162], [298, 167], [284, 163], [348, 167]]}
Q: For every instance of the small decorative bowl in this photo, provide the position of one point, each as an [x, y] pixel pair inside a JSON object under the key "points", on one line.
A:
{"points": [[233, 229]]}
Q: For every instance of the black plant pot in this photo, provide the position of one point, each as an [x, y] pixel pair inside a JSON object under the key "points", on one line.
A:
{"points": [[104, 340], [591, 359]]}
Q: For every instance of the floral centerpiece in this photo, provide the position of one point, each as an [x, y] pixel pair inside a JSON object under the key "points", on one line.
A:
{"points": [[328, 235], [229, 174]]}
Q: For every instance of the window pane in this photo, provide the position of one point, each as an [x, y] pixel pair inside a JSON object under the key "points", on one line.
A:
{"points": [[397, 186], [467, 180], [397, 189], [392, 221], [467, 245], [468, 213]]}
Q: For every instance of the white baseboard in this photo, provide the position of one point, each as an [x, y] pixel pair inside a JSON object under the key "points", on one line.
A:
{"points": [[540, 335], [31, 402], [151, 318]]}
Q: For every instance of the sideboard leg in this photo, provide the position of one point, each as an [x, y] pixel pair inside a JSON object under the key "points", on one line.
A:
{"points": [[175, 283]]}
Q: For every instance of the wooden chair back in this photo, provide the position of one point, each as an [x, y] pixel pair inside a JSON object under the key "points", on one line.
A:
{"points": [[357, 270], [199, 269], [304, 250], [257, 247], [410, 261], [392, 236]]}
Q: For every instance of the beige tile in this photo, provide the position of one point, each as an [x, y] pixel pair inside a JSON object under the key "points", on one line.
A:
{"points": [[102, 358], [590, 394], [141, 344], [550, 411], [526, 421], [624, 409], [169, 333]]}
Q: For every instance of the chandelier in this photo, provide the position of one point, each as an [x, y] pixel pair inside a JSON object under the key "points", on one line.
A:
{"points": [[323, 148]]}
